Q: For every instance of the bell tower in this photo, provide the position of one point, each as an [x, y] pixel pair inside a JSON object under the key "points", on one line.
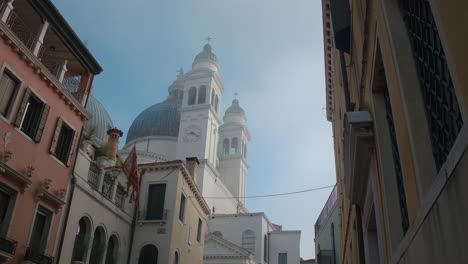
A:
{"points": [[199, 122], [234, 139]]}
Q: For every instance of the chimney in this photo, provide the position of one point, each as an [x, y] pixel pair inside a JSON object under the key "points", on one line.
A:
{"points": [[192, 167], [113, 142]]}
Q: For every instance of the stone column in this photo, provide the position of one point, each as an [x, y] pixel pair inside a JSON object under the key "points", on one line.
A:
{"points": [[63, 70], [7, 11], [40, 38]]}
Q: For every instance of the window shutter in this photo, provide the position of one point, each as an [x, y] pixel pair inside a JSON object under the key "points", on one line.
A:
{"points": [[58, 128], [40, 128], [72, 148], [22, 109]]}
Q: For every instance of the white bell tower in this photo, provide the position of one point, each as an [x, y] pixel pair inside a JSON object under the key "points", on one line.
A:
{"points": [[199, 122], [234, 139]]}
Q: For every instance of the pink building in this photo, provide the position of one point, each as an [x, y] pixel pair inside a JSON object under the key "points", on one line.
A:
{"points": [[46, 74]]}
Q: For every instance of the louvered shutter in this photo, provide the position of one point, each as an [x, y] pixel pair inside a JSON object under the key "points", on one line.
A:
{"points": [[72, 148], [40, 128], [55, 139], [22, 109]]}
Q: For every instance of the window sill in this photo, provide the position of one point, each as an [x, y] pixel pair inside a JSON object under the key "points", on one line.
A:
{"points": [[25, 135], [58, 161], [6, 120], [160, 222], [180, 222]]}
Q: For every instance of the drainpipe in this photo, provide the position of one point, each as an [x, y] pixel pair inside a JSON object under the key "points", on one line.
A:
{"points": [[130, 245], [70, 200]]}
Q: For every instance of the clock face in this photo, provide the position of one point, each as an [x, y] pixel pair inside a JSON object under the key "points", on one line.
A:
{"points": [[192, 133]]}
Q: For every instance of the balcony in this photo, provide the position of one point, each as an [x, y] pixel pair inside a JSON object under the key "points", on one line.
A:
{"points": [[326, 211], [33, 256], [326, 257], [358, 146], [7, 249], [46, 42], [93, 176]]}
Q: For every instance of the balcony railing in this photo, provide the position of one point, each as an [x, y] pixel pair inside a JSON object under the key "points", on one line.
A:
{"points": [[120, 196], [107, 185], [326, 211], [22, 30], [93, 176], [72, 83], [8, 246], [326, 257], [36, 257], [50, 62]]}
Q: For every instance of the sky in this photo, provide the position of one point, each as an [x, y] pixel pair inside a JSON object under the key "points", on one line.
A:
{"points": [[270, 51]]}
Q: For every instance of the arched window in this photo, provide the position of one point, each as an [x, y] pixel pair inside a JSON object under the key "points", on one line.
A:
{"points": [[212, 97], [248, 241], [233, 149], [176, 257], [216, 103], [218, 234], [148, 255], [226, 146], [192, 96], [83, 234], [112, 250], [265, 248], [202, 95], [97, 249]]}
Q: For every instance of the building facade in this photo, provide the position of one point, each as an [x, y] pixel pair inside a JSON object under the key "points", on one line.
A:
{"points": [[397, 99], [46, 74], [327, 231]]}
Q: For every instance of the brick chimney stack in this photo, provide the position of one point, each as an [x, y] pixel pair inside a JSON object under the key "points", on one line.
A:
{"points": [[113, 142], [192, 167]]}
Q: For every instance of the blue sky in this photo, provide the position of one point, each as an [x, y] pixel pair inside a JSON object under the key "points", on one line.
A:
{"points": [[271, 51]]}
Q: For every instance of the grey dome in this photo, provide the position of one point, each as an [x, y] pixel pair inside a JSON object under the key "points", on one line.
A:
{"points": [[206, 54], [161, 119], [101, 120], [235, 108]]}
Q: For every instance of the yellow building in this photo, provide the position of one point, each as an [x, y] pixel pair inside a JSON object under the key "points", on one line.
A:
{"points": [[396, 91]]}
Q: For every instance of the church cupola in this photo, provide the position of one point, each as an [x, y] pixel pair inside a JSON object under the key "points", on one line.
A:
{"points": [[235, 114], [206, 59]]}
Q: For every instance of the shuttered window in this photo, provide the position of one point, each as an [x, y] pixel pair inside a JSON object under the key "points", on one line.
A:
{"points": [[9, 86], [182, 208], [155, 208], [32, 116], [63, 142]]}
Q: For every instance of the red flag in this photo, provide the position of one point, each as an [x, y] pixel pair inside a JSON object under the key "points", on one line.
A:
{"points": [[130, 168]]}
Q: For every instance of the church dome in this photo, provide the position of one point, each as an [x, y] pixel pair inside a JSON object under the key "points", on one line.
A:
{"points": [[161, 119], [207, 53], [206, 59], [235, 113], [100, 122]]}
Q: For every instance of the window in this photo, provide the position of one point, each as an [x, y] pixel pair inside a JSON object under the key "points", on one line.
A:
{"points": [[112, 250], [63, 142], [226, 146], [202, 95], [81, 240], [40, 231], [148, 255], [265, 248], [176, 257], [248, 241], [9, 86], [7, 203], [216, 103], [233, 149], [155, 208], [182, 208], [32, 116], [283, 258], [97, 249], [199, 229], [192, 96]]}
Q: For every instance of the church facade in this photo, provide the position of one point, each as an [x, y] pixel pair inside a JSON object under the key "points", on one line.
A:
{"points": [[193, 168]]}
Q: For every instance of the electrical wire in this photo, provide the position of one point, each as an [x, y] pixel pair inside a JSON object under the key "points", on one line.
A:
{"points": [[276, 194]]}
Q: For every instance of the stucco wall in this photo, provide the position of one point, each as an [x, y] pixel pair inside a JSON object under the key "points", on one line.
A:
{"points": [[285, 242]]}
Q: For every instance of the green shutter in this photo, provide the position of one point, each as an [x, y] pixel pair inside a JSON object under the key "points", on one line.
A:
{"points": [[40, 128], [58, 128], [72, 148], [22, 109]]}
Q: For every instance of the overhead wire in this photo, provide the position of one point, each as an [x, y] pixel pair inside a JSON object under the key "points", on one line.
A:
{"points": [[273, 195]]}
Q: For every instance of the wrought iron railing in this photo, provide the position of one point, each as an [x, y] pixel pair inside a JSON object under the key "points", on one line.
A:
{"points": [[22, 30], [143, 216], [326, 257], [93, 176], [50, 62], [120, 195], [72, 83], [107, 185], [7, 245], [440, 100], [37, 257], [326, 211]]}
